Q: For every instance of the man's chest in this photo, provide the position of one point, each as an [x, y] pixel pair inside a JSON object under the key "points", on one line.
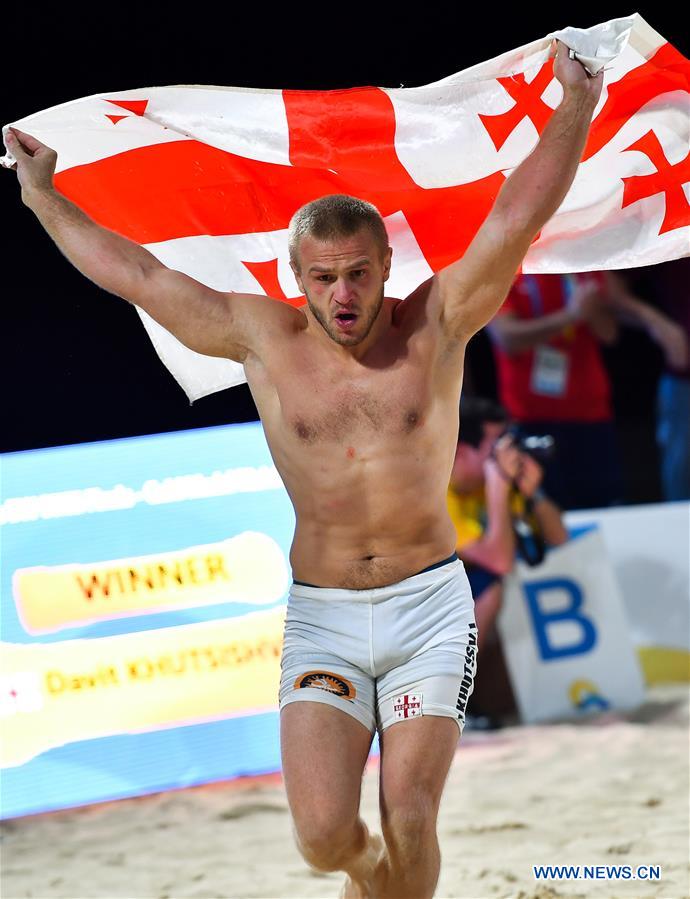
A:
{"points": [[382, 406], [317, 403]]}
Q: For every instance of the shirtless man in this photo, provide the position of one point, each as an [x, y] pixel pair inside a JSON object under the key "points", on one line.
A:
{"points": [[358, 394]]}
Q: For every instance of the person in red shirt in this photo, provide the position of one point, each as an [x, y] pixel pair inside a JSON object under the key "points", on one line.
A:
{"points": [[552, 379]]}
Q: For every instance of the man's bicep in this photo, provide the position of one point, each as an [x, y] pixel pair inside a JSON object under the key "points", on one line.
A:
{"points": [[473, 288], [205, 320]]}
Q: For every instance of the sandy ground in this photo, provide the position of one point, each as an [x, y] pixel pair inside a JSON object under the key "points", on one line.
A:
{"points": [[611, 790]]}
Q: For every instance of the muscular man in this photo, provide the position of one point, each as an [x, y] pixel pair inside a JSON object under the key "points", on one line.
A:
{"points": [[358, 394]]}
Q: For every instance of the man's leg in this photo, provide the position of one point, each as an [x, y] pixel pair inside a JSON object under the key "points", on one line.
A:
{"points": [[324, 751], [415, 758]]}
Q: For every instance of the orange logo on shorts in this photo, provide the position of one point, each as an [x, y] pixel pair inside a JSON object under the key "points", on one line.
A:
{"points": [[325, 680]]}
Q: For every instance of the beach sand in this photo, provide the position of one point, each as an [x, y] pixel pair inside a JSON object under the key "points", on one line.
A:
{"points": [[610, 790]]}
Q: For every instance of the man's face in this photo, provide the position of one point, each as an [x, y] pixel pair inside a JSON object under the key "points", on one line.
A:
{"points": [[343, 282], [468, 467]]}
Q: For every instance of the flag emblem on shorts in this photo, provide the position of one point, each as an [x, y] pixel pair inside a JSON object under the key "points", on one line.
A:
{"points": [[407, 706]]}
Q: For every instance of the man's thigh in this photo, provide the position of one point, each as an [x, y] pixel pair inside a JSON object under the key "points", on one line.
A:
{"points": [[415, 759], [324, 751]]}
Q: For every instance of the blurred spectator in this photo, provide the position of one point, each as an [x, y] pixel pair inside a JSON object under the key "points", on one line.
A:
{"points": [[552, 379], [493, 487], [666, 317]]}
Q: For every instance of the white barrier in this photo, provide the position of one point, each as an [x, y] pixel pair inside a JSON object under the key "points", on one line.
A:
{"points": [[580, 630], [649, 547], [565, 636]]}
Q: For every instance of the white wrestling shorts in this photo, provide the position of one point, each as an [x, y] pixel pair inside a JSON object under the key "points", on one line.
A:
{"points": [[385, 654]]}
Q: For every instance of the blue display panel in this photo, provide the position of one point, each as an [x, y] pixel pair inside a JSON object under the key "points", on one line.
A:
{"points": [[144, 583]]}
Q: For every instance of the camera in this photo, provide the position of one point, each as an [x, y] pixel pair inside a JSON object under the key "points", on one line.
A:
{"points": [[540, 446]]}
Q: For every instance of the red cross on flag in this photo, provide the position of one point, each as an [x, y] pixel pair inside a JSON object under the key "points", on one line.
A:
{"points": [[207, 178]]}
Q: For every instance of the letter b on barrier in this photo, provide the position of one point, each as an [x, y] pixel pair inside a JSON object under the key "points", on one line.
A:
{"points": [[569, 615]]}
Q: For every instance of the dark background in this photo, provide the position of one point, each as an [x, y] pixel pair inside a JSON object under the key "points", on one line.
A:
{"points": [[78, 364]]}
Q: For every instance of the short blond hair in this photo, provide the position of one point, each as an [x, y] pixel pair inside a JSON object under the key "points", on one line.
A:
{"points": [[333, 216]]}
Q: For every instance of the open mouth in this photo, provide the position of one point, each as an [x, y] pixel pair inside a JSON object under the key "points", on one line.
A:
{"points": [[346, 319]]}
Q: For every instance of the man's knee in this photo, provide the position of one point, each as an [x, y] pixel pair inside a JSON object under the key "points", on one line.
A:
{"points": [[327, 844], [409, 822]]}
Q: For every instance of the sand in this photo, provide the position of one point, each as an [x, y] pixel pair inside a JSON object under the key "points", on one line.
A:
{"points": [[609, 790]]}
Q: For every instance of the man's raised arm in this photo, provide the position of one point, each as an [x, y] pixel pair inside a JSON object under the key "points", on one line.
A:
{"points": [[472, 289], [205, 320]]}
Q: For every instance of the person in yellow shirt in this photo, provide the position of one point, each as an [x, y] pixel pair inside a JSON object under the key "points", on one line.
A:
{"points": [[494, 490]]}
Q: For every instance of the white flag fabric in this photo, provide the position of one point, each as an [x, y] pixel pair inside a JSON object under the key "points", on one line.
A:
{"points": [[207, 178]]}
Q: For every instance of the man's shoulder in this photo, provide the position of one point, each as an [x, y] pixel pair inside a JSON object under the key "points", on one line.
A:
{"points": [[417, 304], [269, 309], [261, 324]]}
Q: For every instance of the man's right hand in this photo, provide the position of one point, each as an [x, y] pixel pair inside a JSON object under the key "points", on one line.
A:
{"points": [[35, 164]]}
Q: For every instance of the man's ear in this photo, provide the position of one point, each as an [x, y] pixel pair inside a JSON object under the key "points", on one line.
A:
{"points": [[298, 277], [387, 263]]}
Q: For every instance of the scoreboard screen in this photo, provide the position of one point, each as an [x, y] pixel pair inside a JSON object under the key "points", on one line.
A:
{"points": [[144, 584]]}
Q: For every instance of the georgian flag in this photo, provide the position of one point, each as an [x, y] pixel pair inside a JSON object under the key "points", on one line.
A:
{"points": [[207, 178]]}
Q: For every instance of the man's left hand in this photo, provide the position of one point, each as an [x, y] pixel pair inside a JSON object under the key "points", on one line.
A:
{"points": [[573, 75]]}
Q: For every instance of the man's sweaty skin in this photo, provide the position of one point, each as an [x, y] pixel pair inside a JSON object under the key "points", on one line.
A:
{"points": [[361, 419], [363, 432]]}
